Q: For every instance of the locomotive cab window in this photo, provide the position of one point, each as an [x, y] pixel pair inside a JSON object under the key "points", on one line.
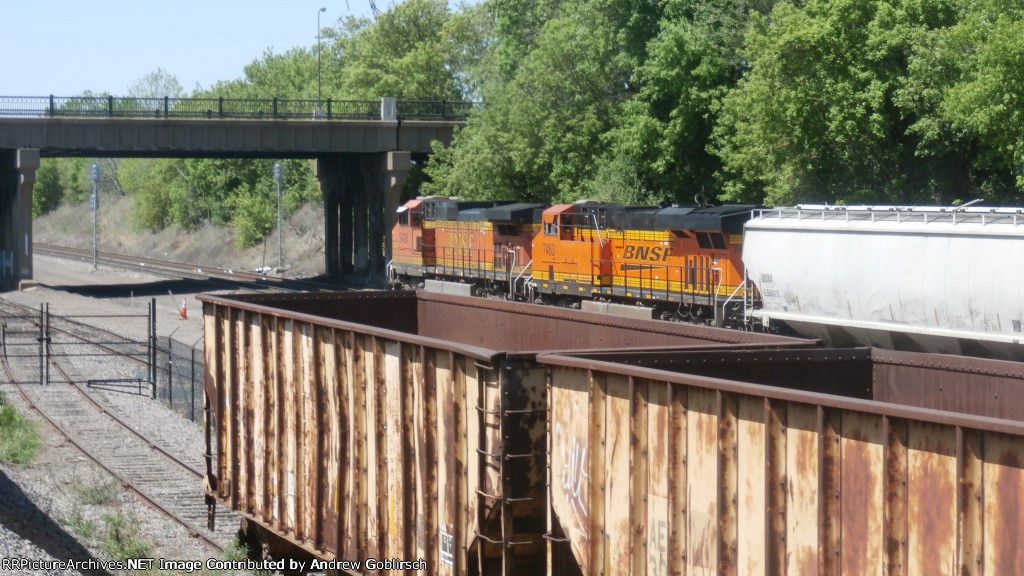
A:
{"points": [[550, 229], [403, 219], [417, 219], [709, 240], [505, 229]]}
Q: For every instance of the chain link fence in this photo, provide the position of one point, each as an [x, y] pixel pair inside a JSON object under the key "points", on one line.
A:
{"points": [[116, 353]]}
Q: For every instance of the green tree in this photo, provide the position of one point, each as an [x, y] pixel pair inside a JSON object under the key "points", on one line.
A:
{"points": [[153, 183], [516, 26], [665, 129], [48, 189], [253, 215], [157, 84], [288, 75], [540, 132], [818, 115], [75, 178], [60, 180], [416, 50], [971, 82]]}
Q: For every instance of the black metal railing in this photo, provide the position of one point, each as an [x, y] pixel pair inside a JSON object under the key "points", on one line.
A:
{"points": [[179, 376], [433, 109], [230, 108], [46, 348]]}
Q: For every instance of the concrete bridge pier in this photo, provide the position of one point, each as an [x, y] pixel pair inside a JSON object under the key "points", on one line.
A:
{"points": [[361, 194], [17, 177]]}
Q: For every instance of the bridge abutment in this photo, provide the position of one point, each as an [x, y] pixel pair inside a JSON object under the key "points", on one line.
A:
{"points": [[361, 194], [17, 178]]}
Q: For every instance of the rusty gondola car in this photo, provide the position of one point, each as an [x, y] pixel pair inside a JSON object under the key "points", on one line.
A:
{"points": [[819, 461], [400, 424], [418, 425]]}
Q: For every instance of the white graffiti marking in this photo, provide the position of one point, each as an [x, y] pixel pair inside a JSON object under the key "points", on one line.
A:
{"points": [[575, 478]]}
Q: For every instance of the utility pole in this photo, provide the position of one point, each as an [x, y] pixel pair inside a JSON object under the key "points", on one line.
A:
{"points": [[278, 177], [95, 211], [319, 111]]}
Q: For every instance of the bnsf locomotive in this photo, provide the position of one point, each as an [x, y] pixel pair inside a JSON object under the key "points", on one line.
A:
{"points": [[922, 278], [684, 262]]}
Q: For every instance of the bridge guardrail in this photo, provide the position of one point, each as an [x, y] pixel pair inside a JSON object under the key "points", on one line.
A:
{"points": [[225, 108], [433, 109]]}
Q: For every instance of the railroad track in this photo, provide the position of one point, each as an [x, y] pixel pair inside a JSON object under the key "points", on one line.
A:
{"points": [[169, 483], [168, 269]]}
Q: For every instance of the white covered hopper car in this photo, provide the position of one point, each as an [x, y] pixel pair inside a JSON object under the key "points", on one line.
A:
{"points": [[947, 280]]}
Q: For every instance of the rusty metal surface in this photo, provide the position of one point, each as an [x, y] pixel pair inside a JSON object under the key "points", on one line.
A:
{"points": [[954, 384], [491, 325], [985, 423], [353, 441], [514, 326], [330, 437], [842, 372], [391, 310], [993, 388], [686, 454], [268, 306], [729, 477]]}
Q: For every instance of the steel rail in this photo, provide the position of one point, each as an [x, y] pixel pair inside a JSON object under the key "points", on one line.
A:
{"points": [[31, 312], [152, 265], [195, 533], [103, 410], [169, 269]]}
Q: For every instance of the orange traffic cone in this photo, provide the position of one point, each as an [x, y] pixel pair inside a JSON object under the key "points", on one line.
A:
{"points": [[184, 310]]}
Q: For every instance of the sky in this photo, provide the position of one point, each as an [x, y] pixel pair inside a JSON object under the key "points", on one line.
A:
{"points": [[65, 47]]}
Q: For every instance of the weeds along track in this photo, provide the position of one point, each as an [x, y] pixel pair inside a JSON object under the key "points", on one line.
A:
{"points": [[146, 463]]}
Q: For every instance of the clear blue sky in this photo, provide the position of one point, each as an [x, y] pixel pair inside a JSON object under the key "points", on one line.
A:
{"points": [[65, 47]]}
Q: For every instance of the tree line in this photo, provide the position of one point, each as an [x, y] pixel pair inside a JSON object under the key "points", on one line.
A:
{"points": [[764, 101]]}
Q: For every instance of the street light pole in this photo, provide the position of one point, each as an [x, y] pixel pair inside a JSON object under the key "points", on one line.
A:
{"points": [[318, 66], [95, 177]]}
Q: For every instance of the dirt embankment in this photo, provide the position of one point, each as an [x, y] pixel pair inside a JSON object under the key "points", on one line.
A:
{"points": [[72, 225]]}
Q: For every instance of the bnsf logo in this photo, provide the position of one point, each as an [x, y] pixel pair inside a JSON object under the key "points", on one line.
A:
{"points": [[460, 240], [649, 253]]}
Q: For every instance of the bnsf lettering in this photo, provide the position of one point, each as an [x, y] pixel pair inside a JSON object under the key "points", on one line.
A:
{"points": [[461, 240], [648, 253]]}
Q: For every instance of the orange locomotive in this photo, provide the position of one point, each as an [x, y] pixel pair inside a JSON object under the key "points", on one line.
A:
{"points": [[684, 262], [487, 244]]}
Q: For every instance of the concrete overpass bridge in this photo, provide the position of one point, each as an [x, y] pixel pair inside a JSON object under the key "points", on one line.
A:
{"points": [[363, 152]]}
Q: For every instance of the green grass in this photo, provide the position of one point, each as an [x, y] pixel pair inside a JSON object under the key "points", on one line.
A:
{"points": [[83, 527], [123, 539], [236, 550], [96, 492], [19, 438]]}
